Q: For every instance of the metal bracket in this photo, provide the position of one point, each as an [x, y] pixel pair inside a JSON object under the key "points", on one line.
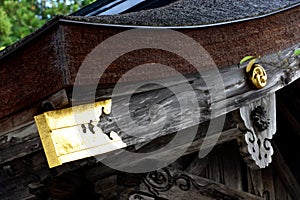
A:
{"points": [[74, 133]]}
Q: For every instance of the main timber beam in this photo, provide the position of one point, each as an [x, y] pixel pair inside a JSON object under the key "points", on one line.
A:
{"points": [[52, 55], [237, 90], [168, 183]]}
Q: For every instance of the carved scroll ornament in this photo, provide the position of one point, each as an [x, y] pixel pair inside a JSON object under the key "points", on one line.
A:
{"points": [[259, 120]]}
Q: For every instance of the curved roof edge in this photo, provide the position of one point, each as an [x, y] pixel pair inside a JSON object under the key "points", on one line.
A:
{"points": [[113, 20]]}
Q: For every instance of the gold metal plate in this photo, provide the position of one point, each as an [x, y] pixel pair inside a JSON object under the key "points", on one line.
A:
{"points": [[258, 76], [72, 133]]}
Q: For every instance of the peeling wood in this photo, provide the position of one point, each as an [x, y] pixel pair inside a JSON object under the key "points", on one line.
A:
{"points": [[237, 91]]}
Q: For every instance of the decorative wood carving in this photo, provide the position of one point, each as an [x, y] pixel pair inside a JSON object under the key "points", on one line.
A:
{"points": [[142, 197], [259, 121], [74, 133], [173, 184]]}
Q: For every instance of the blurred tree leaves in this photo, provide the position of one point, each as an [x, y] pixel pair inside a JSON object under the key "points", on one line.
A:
{"points": [[19, 18], [5, 28]]}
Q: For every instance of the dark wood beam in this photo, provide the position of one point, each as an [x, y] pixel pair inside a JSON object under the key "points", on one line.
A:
{"points": [[293, 122], [180, 185], [16, 120], [286, 175], [236, 88]]}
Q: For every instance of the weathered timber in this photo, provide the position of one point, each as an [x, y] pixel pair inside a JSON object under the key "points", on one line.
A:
{"points": [[294, 123], [32, 72], [52, 56], [19, 143], [231, 166], [259, 118], [255, 182], [268, 183], [180, 119], [197, 166], [237, 91], [174, 184], [26, 141], [15, 120], [285, 173]]}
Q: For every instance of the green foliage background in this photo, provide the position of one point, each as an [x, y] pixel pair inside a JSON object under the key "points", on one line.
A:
{"points": [[19, 18]]}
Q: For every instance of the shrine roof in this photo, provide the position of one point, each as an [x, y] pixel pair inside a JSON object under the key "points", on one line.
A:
{"points": [[195, 12]]}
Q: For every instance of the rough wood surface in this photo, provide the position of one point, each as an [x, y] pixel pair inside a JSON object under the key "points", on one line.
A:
{"points": [[180, 185], [268, 183], [226, 44], [285, 174], [48, 61], [15, 120], [294, 123], [31, 73], [255, 182], [236, 88], [27, 138], [255, 145]]}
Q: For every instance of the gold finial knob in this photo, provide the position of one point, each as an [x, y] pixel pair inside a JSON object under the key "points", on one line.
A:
{"points": [[258, 76]]}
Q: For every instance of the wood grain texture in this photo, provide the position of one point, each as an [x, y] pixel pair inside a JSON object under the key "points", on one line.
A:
{"points": [[48, 60], [226, 44], [236, 88], [15, 120], [285, 174], [32, 73], [195, 187]]}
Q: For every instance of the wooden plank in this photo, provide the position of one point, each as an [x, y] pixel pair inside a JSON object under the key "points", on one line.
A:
{"points": [[215, 169], [180, 185], [31, 73], [21, 194], [255, 182], [237, 91], [197, 166], [14, 143], [232, 170], [285, 173], [227, 44], [293, 122], [14, 121], [280, 189], [268, 183]]}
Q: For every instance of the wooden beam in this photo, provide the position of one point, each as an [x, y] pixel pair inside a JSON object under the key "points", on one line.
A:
{"points": [[26, 140], [197, 166], [175, 184], [255, 182], [286, 175], [15, 120], [293, 122], [236, 89]]}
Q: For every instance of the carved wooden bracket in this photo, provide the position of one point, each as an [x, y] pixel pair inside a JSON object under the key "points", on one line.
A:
{"points": [[258, 122], [172, 184]]}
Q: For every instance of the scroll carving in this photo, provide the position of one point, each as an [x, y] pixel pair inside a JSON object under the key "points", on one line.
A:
{"points": [[173, 184], [259, 126]]}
